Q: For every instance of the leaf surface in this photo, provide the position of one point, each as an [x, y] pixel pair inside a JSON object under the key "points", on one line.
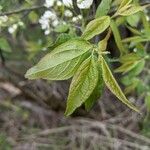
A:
{"points": [[113, 86], [97, 91], [103, 8], [83, 85], [96, 27], [132, 10], [117, 37], [62, 62]]}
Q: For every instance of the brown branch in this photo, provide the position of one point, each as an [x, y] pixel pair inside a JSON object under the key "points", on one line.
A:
{"points": [[21, 10], [77, 10]]}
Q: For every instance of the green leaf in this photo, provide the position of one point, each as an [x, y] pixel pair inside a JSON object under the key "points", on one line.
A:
{"points": [[97, 91], [102, 45], [83, 85], [137, 69], [124, 4], [131, 57], [130, 11], [131, 87], [115, 3], [4, 45], [126, 80], [96, 27], [136, 39], [62, 28], [147, 101], [133, 20], [62, 62], [113, 85], [33, 17], [141, 88], [132, 63], [62, 38], [103, 8], [126, 67], [134, 31], [117, 37]]}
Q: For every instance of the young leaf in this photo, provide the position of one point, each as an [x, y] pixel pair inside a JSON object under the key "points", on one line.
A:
{"points": [[131, 57], [117, 37], [136, 39], [83, 84], [132, 10], [102, 45], [137, 69], [96, 27], [62, 62], [124, 4], [97, 91], [126, 67], [113, 85], [103, 8]]}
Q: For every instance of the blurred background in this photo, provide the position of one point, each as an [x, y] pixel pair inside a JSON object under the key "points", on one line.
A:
{"points": [[32, 111]]}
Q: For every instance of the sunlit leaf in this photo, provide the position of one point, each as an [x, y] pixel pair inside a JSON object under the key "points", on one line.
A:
{"points": [[113, 86], [102, 45], [117, 37], [97, 91], [96, 27], [131, 57], [83, 85], [136, 39], [124, 3], [130, 11], [62, 62], [126, 67]]}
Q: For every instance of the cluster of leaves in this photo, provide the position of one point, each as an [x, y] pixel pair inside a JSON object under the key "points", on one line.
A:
{"points": [[86, 62]]}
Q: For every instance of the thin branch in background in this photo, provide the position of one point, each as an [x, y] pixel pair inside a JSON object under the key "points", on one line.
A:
{"points": [[21, 10], [77, 10]]}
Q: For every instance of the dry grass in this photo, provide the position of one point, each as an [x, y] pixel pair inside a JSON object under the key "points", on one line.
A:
{"points": [[25, 125]]}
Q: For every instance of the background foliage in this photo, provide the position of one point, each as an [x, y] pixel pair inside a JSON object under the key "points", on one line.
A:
{"points": [[34, 109]]}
